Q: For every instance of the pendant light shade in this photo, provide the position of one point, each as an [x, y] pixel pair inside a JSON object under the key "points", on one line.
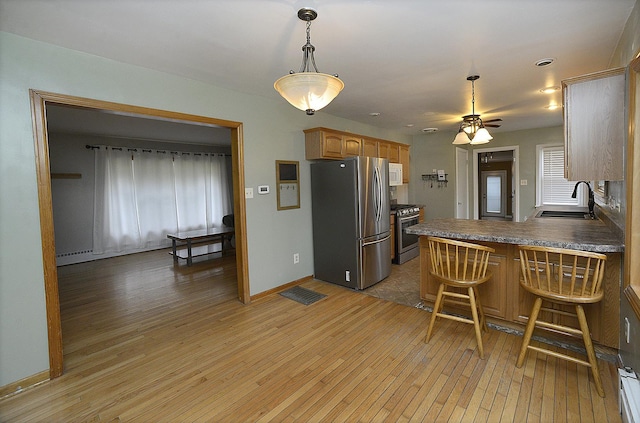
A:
{"points": [[461, 138], [482, 136], [308, 90]]}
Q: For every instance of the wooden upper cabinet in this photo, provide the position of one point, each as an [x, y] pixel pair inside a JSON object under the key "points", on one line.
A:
{"points": [[327, 144], [369, 147], [394, 153], [594, 126], [324, 143], [404, 161], [352, 145], [384, 149]]}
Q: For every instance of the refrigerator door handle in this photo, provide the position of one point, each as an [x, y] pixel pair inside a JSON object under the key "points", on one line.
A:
{"points": [[378, 193], [376, 241]]}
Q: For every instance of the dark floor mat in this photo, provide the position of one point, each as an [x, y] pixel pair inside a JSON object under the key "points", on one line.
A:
{"points": [[302, 295]]}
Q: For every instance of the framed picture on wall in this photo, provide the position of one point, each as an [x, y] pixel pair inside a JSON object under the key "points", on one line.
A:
{"points": [[288, 184]]}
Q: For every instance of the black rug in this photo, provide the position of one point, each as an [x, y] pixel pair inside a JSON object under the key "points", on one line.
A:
{"points": [[302, 295]]}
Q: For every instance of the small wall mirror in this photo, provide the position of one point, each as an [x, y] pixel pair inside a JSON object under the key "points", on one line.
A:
{"points": [[288, 184]]}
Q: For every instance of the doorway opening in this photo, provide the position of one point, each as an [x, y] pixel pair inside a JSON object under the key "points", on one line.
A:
{"points": [[495, 176], [39, 102]]}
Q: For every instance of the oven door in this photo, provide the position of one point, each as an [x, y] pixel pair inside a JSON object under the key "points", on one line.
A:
{"points": [[406, 241]]}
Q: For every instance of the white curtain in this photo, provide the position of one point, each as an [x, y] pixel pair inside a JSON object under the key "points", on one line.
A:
{"points": [[142, 195]]}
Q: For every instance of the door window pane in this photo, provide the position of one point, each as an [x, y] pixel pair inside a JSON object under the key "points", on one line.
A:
{"points": [[493, 194]]}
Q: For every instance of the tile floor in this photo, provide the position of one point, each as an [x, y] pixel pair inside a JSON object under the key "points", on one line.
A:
{"points": [[402, 286]]}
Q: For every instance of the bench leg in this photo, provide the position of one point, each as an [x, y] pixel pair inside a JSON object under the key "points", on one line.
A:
{"points": [[189, 258], [173, 250]]}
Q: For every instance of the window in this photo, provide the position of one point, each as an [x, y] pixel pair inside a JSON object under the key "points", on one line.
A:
{"points": [[552, 187]]}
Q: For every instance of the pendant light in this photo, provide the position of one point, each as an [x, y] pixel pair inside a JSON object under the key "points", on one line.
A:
{"points": [[472, 130], [308, 89]]}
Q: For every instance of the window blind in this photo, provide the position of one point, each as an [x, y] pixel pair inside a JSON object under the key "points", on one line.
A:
{"points": [[556, 190]]}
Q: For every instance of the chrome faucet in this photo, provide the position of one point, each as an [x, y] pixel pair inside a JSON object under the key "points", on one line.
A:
{"points": [[591, 199]]}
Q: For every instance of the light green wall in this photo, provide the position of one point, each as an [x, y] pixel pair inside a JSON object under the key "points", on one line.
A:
{"points": [[435, 151], [272, 131]]}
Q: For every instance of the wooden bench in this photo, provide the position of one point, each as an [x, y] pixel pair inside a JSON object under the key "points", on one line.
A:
{"points": [[190, 244]]}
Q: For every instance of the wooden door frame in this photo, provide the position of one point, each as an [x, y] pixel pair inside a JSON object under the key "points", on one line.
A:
{"points": [[39, 102], [515, 212]]}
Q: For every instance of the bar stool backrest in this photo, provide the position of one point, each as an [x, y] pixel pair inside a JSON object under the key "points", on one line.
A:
{"points": [[563, 274], [459, 261]]}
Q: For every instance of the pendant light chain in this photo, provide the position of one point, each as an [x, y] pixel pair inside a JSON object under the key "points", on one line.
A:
{"points": [[308, 49]]}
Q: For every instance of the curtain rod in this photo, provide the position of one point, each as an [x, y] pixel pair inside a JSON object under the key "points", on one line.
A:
{"points": [[146, 150]]}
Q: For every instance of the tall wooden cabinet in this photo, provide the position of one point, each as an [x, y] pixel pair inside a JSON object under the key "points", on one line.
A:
{"points": [[594, 126]]}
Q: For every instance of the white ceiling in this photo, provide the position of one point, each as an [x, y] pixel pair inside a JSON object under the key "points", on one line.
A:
{"points": [[407, 60]]}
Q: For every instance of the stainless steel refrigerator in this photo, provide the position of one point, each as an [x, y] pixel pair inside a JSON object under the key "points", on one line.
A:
{"points": [[351, 231]]}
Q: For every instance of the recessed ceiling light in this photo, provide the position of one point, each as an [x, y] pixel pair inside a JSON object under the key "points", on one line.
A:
{"points": [[550, 90], [544, 62], [374, 114], [552, 106], [410, 125], [430, 130]]}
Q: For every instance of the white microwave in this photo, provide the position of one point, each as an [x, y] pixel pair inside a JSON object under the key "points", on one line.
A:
{"points": [[395, 174]]}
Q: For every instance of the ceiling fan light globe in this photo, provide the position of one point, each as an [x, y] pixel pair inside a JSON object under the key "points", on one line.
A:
{"points": [[461, 138], [481, 137], [309, 90]]}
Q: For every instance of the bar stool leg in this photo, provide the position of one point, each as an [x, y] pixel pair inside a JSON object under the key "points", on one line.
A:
{"points": [[529, 331], [476, 321], [584, 327], [483, 321], [436, 309]]}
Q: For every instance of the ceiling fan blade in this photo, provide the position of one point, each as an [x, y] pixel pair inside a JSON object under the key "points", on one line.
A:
{"points": [[492, 125], [492, 120]]}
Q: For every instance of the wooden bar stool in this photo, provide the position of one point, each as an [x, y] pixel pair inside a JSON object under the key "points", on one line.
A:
{"points": [[458, 264], [564, 277]]}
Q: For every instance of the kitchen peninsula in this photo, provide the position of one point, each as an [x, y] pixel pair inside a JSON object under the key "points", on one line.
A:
{"points": [[502, 297]]}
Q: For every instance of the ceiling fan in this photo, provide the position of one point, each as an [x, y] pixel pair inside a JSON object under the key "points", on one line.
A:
{"points": [[471, 119]]}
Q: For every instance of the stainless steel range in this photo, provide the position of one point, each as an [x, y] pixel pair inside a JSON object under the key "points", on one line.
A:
{"points": [[406, 244]]}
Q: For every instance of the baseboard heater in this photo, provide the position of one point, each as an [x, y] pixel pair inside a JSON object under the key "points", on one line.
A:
{"points": [[629, 398], [74, 253]]}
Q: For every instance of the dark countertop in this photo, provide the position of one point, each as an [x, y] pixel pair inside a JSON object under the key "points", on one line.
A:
{"points": [[586, 235]]}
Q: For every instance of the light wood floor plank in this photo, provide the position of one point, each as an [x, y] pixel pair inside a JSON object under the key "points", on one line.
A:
{"points": [[147, 341]]}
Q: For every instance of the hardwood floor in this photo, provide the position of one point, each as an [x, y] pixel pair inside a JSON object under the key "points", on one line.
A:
{"points": [[147, 342]]}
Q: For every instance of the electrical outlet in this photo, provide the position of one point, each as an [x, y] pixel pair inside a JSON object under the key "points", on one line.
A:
{"points": [[627, 329], [248, 193], [296, 258], [347, 276]]}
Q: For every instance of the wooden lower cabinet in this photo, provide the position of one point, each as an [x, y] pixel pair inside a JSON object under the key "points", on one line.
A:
{"points": [[503, 298]]}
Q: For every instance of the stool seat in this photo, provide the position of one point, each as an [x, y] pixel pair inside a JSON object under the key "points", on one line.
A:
{"points": [[458, 264], [561, 277]]}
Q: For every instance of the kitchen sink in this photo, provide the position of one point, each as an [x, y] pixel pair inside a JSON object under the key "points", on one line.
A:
{"points": [[564, 214]]}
